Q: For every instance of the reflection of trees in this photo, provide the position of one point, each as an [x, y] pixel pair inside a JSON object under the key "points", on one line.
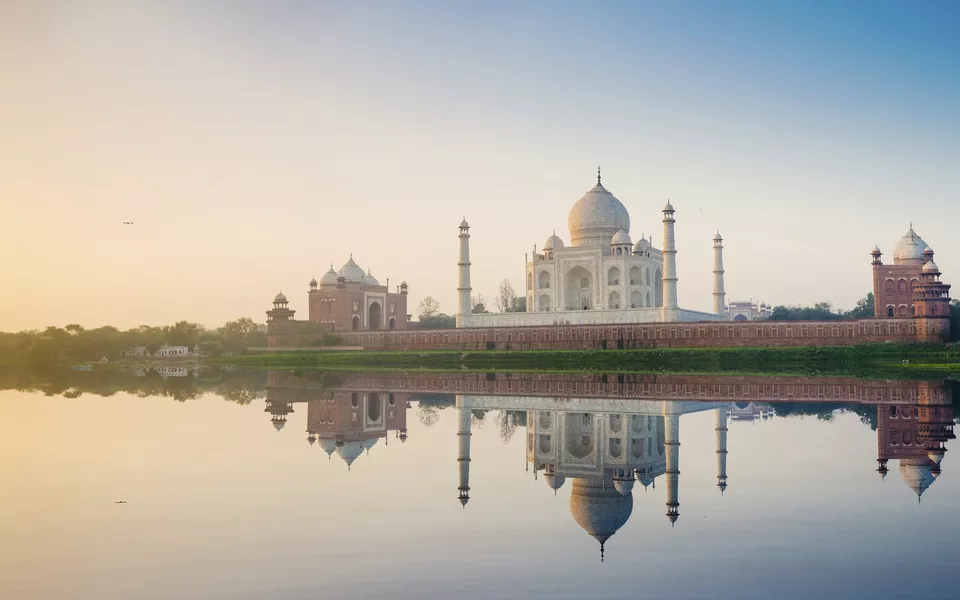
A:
{"points": [[428, 414], [508, 421], [826, 411]]}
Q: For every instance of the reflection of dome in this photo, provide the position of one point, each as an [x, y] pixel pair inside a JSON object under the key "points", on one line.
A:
{"points": [[278, 424], [915, 472], [621, 238], [329, 278], [350, 451], [624, 486], [328, 445], [596, 217], [555, 482], [369, 443], [909, 248], [351, 271], [553, 243], [644, 478], [599, 508]]}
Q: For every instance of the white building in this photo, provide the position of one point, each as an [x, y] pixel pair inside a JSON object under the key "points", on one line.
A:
{"points": [[168, 351], [748, 310], [600, 277]]}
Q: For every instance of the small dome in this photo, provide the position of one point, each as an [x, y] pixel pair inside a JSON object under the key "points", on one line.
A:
{"points": [[553, 243], [876, 250], [329, 278], [351, 271], [717, 238], [350, 451], [621, 238], [642, 244], [464, 224], [668, 207], [280, 299], [328, 445], [312, 439], [403, 283], [313, 282], [555, 482], [624, 486], [369, 279], [278, 424], [595, 217], [930, 267], [916, 473], [910, 247]]}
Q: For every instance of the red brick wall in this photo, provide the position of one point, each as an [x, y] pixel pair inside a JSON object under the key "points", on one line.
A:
{"points": [[893, 286]]}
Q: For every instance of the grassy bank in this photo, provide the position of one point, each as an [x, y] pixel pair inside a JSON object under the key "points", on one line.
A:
{"points": [[872, 360]]}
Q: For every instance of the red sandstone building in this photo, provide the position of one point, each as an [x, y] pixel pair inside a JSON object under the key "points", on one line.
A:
{"points": [[910, 287], [348, 300]]}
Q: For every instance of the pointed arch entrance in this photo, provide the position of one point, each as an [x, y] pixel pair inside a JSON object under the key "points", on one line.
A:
{"points": [[374, 316]]}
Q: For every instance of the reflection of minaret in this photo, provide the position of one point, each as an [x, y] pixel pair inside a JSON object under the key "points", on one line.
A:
{"points": [[672, 443], [722, 448], [463, 455]]}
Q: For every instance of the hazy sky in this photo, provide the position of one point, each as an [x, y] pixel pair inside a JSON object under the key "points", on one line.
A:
{"points": [[255, 143]]}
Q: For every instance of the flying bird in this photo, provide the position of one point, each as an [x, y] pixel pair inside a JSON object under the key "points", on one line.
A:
{"points": [[128, 222]]}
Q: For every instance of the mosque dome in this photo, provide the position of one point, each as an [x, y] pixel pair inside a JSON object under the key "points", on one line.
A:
{"points": [[621, 238], [910, 247], [642, 244], [598, 508], [350, 451], [328, 445], [930, 267], [279, 298], [916, 473], [329, 278], [553, 243], [668, 207], [369, 443], [596, 217], [351, 271], [369, 279], [312, 439], [313, 282], [555, 482], [278, 424]]}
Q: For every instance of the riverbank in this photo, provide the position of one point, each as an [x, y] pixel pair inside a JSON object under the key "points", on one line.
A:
{"points": [[868, 360]]}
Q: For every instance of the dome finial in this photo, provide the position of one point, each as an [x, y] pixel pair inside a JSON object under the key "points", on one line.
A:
{"points": [[601, 551], [598, 175]]}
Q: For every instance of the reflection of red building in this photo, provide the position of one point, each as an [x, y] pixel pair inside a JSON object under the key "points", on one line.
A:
{"points": [[343, 421], [914, 434]]}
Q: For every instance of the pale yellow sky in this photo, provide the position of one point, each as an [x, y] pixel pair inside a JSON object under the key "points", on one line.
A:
{"points": [[254, 144]]}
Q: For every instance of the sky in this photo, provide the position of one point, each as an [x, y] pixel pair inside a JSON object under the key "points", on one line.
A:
{"points": [[253, 144]]}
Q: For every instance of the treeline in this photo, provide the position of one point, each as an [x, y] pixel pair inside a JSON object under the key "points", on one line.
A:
{"points": [[77, 344]]}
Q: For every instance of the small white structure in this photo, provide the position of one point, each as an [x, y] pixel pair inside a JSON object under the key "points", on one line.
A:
{"points": [[167, 351], [748, 310]]}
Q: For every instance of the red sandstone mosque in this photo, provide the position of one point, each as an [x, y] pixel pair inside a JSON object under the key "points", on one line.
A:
{"points": [[345, 300], [911, 286]]}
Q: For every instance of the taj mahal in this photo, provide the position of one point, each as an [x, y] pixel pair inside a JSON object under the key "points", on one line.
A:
{"points": [[601, 277]]}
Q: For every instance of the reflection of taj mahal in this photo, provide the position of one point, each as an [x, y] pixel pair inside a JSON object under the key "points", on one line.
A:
{"points": [[601, 277]]}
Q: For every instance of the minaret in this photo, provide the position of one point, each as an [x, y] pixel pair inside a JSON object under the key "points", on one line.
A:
{"points": [[719, 296], [669, 259], [463, 452], [463, 283], [672, 443], [722, 448]]}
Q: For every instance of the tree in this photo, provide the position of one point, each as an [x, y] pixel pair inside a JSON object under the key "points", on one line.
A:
{"points": [[479, 306], [519, 304], [428, 307], [955, 320], [821, 311], [864, 308], [438, 321], [505, 296]]}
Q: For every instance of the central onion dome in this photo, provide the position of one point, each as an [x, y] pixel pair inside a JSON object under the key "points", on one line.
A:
{"points": [[910, 249], [597, 217], [599, 508], [351, 271]]}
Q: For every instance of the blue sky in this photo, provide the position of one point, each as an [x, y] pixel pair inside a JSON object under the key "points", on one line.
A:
{"points": [[255, 143]]}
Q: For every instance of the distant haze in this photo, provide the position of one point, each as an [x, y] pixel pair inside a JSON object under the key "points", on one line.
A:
{"points": [[254, 143]]}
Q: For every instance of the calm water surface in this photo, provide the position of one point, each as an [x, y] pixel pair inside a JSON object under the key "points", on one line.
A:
{"points": [[307, 486]]}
